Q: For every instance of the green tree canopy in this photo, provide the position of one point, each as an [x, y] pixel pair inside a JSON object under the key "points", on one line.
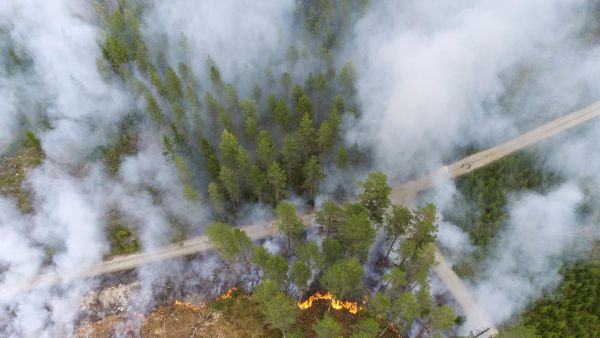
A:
{"points": [[375, 196], [327, 327], [289, 224], [344, 278]]}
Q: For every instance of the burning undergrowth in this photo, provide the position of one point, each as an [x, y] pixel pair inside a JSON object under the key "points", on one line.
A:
{"points": [[227, 315]]}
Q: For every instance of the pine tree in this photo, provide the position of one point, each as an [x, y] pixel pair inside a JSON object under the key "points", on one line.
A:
{"points": [[308, 253], [229, 181], [313, 174], [289, 224], [329, 218], [286, 83], [341, 158], [291, 154], [327, 327], [154, 110], [208, 153], [397, 224], [307, 132], [229, 147], [174, 91], [276, 181], [233, 245], [276, 269], [305, 106], [356, 234], [156, 81], [344, 278], [233, 104], [216, 198], [375, 196], [256, 181], [265, 149], [300, 274], [281, 114], [325, 136]]}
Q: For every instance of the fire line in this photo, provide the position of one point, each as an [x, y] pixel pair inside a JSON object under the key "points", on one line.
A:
{"points": [[337, 304]]}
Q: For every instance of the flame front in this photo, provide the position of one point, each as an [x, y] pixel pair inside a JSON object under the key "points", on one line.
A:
{"points": [[198, 307], [337, 304], [189, 305], [228, 294]]}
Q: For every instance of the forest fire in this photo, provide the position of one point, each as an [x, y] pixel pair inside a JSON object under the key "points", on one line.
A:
{"points": [[191, 306], [198, 307], [228, 294], [337, 304]]}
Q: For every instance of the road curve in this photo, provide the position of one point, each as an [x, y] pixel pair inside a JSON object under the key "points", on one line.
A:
{"points": [[403, 194]]}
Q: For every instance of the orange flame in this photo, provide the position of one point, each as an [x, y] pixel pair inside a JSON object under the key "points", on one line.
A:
{"points": [[337, 304], [228, 294], [189, 305], [198, 307]]}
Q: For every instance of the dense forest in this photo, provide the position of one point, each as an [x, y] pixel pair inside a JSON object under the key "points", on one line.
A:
{"points": [[397, 294], [230, 149], [481, 208], [570, 311], [574, 309], [268, 137], [488, 189]]}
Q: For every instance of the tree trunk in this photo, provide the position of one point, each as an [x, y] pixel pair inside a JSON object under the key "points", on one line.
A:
{"points": [[391, 246]]}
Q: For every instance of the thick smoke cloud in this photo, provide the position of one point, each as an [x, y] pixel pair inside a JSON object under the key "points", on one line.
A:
{"points": [[542, 230], [433, 74], [242, 36], [71, 192], [437, 76]]}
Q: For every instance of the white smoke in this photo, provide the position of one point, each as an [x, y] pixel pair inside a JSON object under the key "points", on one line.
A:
{"points": [[432, 73], [526, 260], [242, 36], [436, 76]]}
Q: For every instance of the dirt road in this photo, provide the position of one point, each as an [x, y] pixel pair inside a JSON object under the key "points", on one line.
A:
{"points": [[402, 194]]}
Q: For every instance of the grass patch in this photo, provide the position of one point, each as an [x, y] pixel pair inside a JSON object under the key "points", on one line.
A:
{"points": [[122, 239], [14, 167]]}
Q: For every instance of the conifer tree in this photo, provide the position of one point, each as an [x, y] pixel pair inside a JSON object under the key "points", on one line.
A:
{"points": [[291, 154], [229, 181], [313, 174], [265, 149], [276, 181], [289, 224], [375, 195]]}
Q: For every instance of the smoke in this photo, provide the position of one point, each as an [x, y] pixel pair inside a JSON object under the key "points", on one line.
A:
{"points": [[435, 77], [65, 234], [243, 37], [542, 230]]}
